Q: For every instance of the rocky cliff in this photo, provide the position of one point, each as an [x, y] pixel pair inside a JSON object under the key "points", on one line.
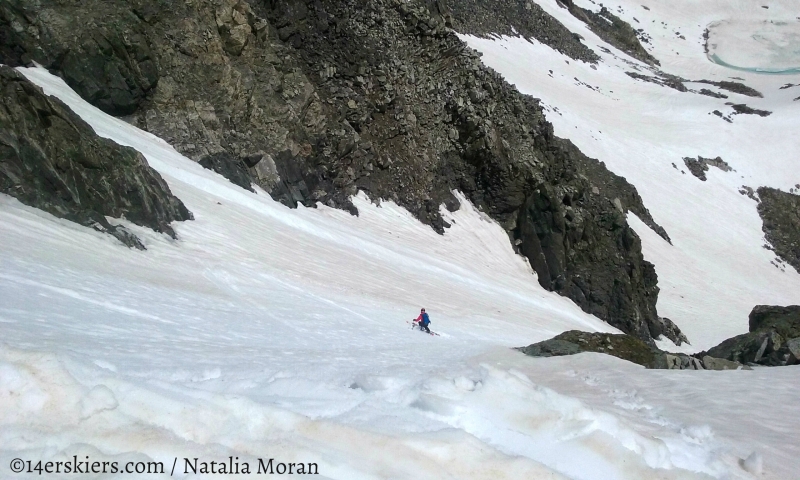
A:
{"points": [[53, 160], [315, 100], [780, 214]]}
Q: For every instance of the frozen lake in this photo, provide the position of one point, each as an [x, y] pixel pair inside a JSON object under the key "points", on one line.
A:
{"points": [[771, 47]]}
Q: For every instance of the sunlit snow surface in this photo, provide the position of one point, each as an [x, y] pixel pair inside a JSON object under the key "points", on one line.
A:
{"points": [[276, 333]]}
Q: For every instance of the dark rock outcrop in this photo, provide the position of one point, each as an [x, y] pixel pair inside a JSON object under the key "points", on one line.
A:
{"points": [[735, 87], [315, 100], [742, 109], [612, 30], [52, 160], [233, 169], [625, 347], [661, 78], [696, 167], [783, 320], [110, 64], [780, 214], [672, 332], [515, 18], [699, 166], [709, 93], [773, 339], [624, 195]]}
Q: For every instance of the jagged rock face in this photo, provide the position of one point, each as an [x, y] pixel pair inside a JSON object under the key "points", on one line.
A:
{"points": [[53, 160], [110, 64], [224, 88], [784, 320], [611, 29], [514, 18], [773, 340], [324, 98], [780, 214]]}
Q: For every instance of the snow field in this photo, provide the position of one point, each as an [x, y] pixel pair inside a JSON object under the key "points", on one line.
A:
{"points": [[717, 269], [259, 312], [276, 333], [488, 421]]}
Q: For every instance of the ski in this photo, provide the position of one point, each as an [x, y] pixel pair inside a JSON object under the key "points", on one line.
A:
{"points": [[414, 326]]}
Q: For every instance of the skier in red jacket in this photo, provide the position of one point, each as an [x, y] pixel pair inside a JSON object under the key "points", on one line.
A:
{"points": [[423, 320]]}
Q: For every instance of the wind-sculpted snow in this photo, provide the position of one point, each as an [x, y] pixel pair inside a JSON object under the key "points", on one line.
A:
{"points": [[478, 421], [266, 332]]}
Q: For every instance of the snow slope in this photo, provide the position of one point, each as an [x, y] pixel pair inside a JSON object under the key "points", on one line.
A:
{"points": [[716, 270], [276, 333]]}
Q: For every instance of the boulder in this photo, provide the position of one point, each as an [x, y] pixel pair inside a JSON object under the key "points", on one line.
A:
{"points": [[554, 347], [766, 344], [711, 363], [229, 167], [664, 361], [783, 320], [235, 23], [793, 346]]}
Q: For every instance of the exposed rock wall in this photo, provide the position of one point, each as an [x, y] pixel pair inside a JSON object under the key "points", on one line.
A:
{"points": [[780, 214], [220, 89], [317, 99], [109, 63], [53, 160]]}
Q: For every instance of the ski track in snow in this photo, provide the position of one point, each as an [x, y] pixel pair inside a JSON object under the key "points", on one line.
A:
{"points": [[277, 333]]}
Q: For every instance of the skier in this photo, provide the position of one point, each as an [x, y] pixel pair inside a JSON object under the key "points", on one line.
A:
{"points": [[423, 320]]}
